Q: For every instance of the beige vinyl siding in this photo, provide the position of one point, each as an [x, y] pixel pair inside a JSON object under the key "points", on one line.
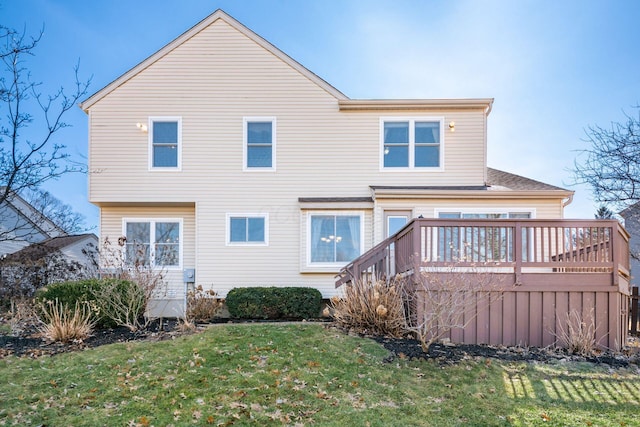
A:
{"points": [[236, 78], [212, 81]]}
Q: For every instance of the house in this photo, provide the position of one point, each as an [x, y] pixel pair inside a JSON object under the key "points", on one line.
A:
{"points": [[35, 251], [21, 224], [76, 249], [58, 259], [232, 165]]}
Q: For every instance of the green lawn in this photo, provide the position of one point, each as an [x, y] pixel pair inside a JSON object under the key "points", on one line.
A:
{"points": [[303, 374]]}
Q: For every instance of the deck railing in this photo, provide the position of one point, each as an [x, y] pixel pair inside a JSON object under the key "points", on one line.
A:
{"points": [[521, 247], [548, 270]]}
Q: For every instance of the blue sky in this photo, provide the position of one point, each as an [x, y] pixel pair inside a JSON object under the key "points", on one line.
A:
{"points": [[553, 67]]}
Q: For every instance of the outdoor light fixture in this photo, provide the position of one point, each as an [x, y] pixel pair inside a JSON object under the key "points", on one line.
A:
{"points": [[452, 126], [142, 127]]}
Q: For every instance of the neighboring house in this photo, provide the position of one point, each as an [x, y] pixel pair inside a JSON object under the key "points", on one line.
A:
{"points": [[79, 248], [233, 165], [53, 260], [21, 225], [34, 251], [631, 217]]}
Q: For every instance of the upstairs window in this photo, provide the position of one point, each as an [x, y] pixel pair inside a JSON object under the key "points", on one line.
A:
{"points": [[165, 136], [259, 143], [411, 143], [153, 243]]}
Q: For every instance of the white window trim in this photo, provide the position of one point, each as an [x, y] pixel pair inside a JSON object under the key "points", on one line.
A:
{"points": [[480, 210], [152, 232], [152, 119], [389, 217], [412, 121], [265, 216], [245, 149], [331, 266]]}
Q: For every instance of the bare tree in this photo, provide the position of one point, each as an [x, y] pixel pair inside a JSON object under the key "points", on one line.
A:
{"points": [[611, 166], [30, 154], [58, 212]]}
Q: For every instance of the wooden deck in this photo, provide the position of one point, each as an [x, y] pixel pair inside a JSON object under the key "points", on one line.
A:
{"points": [[547, 270]]}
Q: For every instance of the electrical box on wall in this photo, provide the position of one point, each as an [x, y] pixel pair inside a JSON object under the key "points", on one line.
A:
{"points": [[189, 275]]}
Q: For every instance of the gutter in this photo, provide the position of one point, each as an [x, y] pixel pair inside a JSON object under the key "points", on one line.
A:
{"points": [[566, 202]]}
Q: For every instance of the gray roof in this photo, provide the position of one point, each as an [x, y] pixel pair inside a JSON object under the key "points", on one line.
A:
{"points": [[498, 178], [36, 251]]}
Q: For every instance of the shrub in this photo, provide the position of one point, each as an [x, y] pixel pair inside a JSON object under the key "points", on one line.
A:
{"points": [[68, 294], [442, 299], [92, 292], [202, 306], [274, 303], [370, 308], [577, 334], [22, 316], [122, 302], [61, 323]]}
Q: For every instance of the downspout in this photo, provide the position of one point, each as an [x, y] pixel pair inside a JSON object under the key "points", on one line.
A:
{"points": [[566, 202]]}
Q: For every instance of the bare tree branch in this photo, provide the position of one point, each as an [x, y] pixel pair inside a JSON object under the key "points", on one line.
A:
{"points": [[611, 166], [30, 123]]}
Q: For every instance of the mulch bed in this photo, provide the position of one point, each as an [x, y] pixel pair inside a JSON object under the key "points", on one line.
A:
{"points": [[31, 345], [405, 348]]}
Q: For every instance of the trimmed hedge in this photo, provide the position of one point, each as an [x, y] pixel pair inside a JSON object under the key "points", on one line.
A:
{"points": [[274, 303], [82, 291]]}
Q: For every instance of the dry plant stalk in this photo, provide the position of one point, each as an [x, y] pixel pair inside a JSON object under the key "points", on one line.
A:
{"points": [[577, 334], [22, 316], [202, 306], [60, 323], [370, 308], [186, 326], [442, 299]]}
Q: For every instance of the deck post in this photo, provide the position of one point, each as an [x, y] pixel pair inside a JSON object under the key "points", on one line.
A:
{"points": [[517, 253], [416, 239]]}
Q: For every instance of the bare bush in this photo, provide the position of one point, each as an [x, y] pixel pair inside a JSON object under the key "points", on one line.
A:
{"points": [[127, 306], [123, 302], [22, 316], [370, 308], [60, 323], [442, 299], [577, 334], [202, 306]]}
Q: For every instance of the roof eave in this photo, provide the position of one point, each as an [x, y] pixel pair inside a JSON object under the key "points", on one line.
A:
{"points": [[406, 193], [484, 104]]}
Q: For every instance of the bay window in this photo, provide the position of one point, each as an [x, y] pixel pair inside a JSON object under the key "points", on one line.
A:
{"points": [[334, 238]]}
